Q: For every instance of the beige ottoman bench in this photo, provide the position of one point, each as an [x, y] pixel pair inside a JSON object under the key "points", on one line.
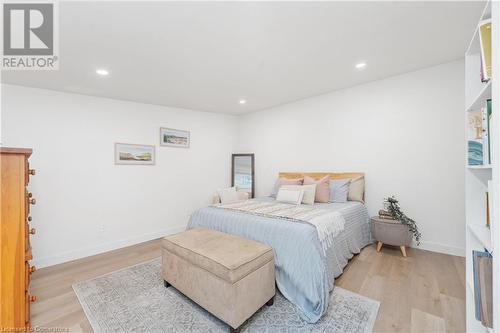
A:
{"points": [[229, 276]]}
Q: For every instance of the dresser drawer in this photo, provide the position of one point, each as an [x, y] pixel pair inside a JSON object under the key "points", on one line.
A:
{"points": [[28, 298], [27, 276], [28, 308], [28, 255], [27, 225], [28, 271], [27, 243], [29, 201], [27, 208], [29, 231], [27, 172]]}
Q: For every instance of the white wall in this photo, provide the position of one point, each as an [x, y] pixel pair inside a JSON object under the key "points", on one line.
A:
{"points": [[85, 203], [406, 133]]}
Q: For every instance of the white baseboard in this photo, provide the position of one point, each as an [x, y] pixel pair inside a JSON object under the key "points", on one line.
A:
{"points": [[441, 248], [90, 251], [114, 245]]}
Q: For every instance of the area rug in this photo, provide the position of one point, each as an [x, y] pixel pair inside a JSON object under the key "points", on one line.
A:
{"points": [[134, 300]]}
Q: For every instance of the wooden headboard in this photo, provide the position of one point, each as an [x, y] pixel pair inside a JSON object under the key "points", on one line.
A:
{"points": [[319, 175], [360, 185]]}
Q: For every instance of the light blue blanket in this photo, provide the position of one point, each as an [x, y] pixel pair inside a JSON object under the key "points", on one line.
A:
{"points": [[304, 274]]}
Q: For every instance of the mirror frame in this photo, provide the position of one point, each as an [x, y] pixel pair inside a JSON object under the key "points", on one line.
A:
{"points": [[252, 156]]}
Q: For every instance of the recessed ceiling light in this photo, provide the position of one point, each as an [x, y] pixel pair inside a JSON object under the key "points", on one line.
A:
{"points": [[242, 101], [102, 72], [360, 65]]}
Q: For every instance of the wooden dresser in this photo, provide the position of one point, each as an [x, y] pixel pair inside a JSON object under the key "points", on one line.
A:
{"points": [[15, 232]]}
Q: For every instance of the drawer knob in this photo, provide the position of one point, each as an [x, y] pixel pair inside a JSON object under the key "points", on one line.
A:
{"points": [[32, 201], [30, 218], [30, 195], [32, 172], [32, 269], [32, 231], [33, 298]]}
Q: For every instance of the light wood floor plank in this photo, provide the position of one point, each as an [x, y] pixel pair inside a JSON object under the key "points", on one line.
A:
{"points": [[423, 322], [419, 293], [453, 310]]}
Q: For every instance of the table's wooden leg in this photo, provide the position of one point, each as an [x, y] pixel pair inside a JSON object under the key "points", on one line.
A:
{"points": [[403, 250], [379, 246]]}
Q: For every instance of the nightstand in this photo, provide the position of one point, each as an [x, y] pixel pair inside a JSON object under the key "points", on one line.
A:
{"points": [[390, 232]]}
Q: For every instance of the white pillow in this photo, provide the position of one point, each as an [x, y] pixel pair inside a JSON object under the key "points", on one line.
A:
{"points": [[228, 195], [309, 192], [288, 195]]}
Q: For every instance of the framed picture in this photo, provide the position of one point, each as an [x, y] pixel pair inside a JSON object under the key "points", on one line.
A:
{"points": [[174, 137], [127, 153]]}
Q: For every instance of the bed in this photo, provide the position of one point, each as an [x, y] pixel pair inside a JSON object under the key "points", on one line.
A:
{"points": [[305, 266]]}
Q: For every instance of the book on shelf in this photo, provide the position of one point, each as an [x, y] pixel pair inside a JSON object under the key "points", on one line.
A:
{"points": [[481, 71], [485, 43], [483, 290], [487, 209], [486, 114], [488, 127], [475, 137], [489, 203], [485, 136], [479, 135]]}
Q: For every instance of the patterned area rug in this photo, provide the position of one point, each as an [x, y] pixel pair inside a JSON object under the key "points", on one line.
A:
{"points": [[134, 300]]}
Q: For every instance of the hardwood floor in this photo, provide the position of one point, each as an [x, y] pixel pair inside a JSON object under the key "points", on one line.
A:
{"points": [[424, 292], [57, 304]]}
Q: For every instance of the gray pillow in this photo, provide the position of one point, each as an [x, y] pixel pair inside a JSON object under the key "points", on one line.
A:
{"points": [[339, 189]]}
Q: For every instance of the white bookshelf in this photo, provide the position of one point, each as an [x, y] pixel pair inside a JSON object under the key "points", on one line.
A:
{"points": [[480, 167], [482, 95], [482, 234], [478, 235]]}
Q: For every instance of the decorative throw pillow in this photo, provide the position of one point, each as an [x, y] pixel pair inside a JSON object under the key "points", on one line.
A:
{"points": [[322, 188], [356, 189], [228, 195], [285, 181], [289, 195], [309, 192], [339, 189]]}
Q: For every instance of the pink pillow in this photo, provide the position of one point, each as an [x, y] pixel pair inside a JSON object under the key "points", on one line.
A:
{"points": [[285, 181], [322, 188]]}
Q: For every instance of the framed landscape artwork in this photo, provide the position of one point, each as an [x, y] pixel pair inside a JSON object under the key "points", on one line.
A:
{"points": [[127, 153], [174, 137]]}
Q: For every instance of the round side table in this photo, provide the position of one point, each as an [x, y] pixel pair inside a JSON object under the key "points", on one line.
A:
{"points": [[390, 232]]}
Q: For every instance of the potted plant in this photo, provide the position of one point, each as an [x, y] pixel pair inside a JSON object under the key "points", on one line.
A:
{"points": [[391, 205]]}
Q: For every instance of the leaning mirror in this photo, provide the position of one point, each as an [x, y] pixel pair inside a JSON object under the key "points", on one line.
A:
{"points": [[242, 167]]}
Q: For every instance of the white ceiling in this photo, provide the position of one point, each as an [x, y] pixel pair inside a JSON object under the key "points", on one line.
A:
{"points": [[209, 55]]}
